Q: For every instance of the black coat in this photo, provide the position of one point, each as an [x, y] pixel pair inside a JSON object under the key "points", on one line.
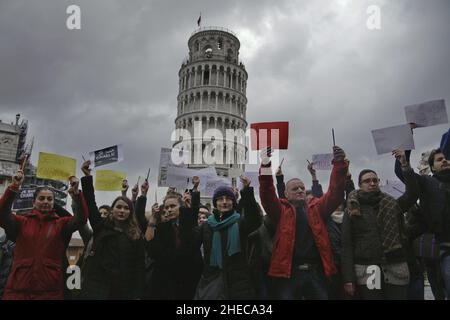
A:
{"points": [[176, 267], [234, 280], [114, 269]]}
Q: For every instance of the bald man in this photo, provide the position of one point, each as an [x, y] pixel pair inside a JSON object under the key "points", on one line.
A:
{"points": [[302, 257]]}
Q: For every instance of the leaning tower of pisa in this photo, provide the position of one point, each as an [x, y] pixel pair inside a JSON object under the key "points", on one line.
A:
{"points": [[212, 89]]}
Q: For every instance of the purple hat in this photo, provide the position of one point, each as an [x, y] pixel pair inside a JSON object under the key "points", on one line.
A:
{"points": [[224, 191]]}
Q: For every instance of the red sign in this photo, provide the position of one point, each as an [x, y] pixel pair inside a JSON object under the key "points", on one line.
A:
{"points": [[273, 134]]}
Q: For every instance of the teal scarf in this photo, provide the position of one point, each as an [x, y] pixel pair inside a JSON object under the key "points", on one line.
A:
{"points": [[233, 242]]}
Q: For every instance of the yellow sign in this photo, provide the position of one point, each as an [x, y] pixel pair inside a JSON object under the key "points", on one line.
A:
{"points": [[55, 167], [108, 180]]}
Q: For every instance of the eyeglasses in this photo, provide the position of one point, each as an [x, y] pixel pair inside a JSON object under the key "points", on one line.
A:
{"points": [[369, 180]]}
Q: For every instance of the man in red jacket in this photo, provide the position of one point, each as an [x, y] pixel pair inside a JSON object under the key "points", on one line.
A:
{"points": [[301, 255]]}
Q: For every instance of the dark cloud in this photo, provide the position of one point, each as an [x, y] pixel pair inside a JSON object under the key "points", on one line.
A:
{"points": [[313, 63]]}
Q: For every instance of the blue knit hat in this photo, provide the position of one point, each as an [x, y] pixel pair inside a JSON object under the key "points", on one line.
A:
{"points": [[224, 191]]}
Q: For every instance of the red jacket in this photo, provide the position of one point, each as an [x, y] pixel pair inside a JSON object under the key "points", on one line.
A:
{"points": [[37, 272], [283, 214]]}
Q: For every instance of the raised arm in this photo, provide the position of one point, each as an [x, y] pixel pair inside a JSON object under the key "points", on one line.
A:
{"points": [[251, 218], [80, 208], [269, 199], [140, 207], [335, 194], [281, 187], [409, 198], [316, 189], [8, 221], [87, 185]]}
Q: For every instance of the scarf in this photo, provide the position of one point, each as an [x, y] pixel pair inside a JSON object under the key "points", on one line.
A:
{"points": [[443, 176], [387, 210], [233, 241]]}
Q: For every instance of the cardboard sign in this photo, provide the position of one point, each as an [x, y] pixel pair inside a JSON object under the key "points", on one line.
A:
{"points": [[393, 188], [109, 180], [388, 139], [273, 134], [322, 161], [56, 167], [106, 155], [24, 200], [165, 161], [427, 114]]}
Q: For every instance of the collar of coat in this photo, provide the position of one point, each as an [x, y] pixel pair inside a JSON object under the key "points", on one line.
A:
{"points": [[43, 216]]}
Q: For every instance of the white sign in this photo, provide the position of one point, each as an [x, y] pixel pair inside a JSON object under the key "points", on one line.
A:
{"points": [[165, 161], [393, 188], [254, 178], [235, 172], [322, 161], [213, 184], [427, 114], [388, 139], [8, 146], [8, 169]]}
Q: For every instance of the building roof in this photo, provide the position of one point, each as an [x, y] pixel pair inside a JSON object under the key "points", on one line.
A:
{"points": [[6, 127]]}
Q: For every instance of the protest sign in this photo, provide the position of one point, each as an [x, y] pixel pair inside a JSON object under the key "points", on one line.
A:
{"points": [[273, 134], [106, 155], [24, 199], [391, 138], [109, 180], [56, 167], [427, 114], [322, 161], [165, 161]]}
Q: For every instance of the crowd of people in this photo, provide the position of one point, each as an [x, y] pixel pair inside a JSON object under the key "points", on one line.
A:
{"points": [[346, 243]]}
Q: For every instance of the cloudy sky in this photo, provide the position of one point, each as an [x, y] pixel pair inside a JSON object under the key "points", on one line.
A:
{"points": [[314, 63]]}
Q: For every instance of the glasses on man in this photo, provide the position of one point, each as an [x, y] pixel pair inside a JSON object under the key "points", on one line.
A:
{"points": [[371, 180]]}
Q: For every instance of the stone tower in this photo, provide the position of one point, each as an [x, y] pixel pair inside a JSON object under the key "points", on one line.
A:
{"points": [[212, 89]]}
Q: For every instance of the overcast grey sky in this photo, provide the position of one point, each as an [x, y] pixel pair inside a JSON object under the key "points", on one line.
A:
{"points": [[313, 63]]}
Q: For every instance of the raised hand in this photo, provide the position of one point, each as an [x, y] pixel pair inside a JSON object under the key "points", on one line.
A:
{"points": [[279, 172], [399, 154], [195, 182], [125, 187], [144, 187], [265, 155], [338, 153], [18, 178], [74, 186], [85, 168], [187, 198], [245, 181]]}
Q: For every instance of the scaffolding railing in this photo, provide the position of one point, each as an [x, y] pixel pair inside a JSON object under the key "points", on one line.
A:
{"points": [[213, 28]]}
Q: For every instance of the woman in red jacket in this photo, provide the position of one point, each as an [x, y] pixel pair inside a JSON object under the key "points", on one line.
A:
{"points": [[36, 272]]}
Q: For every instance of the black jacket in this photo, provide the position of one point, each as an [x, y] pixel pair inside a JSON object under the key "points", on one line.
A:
{"points": [[176, 268], [114, 269], [233, 281], [361, 241]]}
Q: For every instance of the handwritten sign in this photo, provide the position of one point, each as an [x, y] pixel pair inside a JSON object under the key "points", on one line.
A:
{"points": [[56, 167], [391, 138], [322, 161], [427, 114], [109, 180]]}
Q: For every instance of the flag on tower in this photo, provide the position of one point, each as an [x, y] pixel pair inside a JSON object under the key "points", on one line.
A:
{"points": [[199, 21]]}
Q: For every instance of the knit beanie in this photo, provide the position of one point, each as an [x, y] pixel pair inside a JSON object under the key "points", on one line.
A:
{"points": [[224, 191]]}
